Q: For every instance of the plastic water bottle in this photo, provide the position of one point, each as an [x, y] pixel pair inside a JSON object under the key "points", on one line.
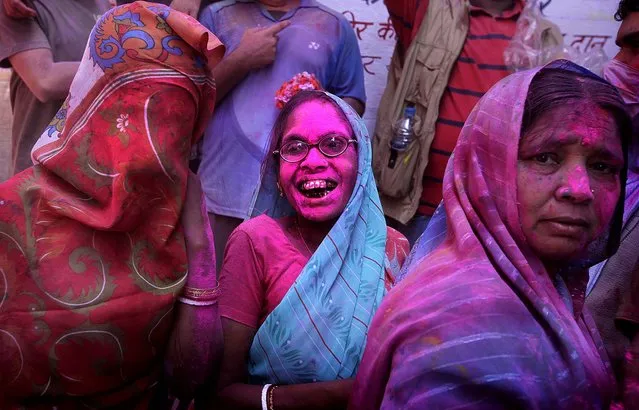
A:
{"points": [[403, 130]]}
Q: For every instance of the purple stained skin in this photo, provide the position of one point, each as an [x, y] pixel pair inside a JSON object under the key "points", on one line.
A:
{"points": [[202, 273], [568, 180], [310, 122], [195, 348]]}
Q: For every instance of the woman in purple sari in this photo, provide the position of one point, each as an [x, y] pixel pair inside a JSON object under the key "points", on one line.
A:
{"points": [[493, 317]]}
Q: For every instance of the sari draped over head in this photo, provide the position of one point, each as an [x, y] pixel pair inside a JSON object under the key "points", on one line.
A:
{"points": [[92, 254], [478, 323], [318, 331]]}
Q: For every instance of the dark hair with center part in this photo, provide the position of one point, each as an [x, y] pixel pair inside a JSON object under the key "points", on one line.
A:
{"points": [[625, 8], [282, 119], [553, 88]]}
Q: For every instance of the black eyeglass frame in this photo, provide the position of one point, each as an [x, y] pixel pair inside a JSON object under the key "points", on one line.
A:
{"points": [[278, 152]]}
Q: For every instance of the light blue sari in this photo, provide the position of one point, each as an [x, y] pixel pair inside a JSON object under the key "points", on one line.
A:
{"points": [[318, 331]]}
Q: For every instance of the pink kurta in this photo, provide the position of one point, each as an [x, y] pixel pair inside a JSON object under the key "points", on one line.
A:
{"points": [[261, 263]]}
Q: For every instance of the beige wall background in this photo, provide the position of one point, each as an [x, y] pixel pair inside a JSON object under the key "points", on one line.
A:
{"points": [[5, 124]]}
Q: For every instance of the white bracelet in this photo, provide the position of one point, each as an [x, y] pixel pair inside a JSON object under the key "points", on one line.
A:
{"points": [[264, 393], [192, 302]]}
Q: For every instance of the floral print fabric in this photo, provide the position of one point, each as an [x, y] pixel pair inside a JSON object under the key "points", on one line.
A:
{"points": [[92, 254]]}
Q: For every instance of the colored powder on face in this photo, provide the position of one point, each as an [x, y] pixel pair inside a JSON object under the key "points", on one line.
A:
{"points": [[311, 122], [559, 178]]}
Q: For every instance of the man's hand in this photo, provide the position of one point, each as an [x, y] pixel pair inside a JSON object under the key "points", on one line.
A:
{"points": [[258, 46], [257, 49], [17, 9], [190, 7]]}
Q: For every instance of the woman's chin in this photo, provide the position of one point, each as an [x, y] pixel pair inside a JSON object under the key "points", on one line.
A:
{"points": [[322, 209], [562, 255], [318, 215]]}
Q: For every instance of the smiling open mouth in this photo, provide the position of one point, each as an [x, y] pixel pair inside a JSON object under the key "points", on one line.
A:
{"points": [[316, 188]]}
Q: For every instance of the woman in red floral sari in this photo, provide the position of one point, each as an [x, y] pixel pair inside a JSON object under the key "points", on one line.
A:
{"points": [[100, 238]]}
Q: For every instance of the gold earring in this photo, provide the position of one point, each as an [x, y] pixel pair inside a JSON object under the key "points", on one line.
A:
{"points": [[279, 188]]}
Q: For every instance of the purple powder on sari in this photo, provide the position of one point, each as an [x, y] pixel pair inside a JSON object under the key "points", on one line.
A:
{"points": [[479, 324]]}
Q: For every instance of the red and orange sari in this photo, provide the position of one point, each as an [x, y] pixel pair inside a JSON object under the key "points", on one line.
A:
{"points": [[92, 253]]}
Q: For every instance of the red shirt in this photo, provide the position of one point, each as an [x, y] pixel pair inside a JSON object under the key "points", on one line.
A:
{"points": [[407, 17], [479, 66]]}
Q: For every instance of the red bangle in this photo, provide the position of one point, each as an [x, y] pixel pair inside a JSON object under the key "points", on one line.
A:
{"points": [[201, 295]]}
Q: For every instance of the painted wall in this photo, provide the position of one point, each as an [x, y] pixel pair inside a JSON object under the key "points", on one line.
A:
{"points": [[586, 24]]}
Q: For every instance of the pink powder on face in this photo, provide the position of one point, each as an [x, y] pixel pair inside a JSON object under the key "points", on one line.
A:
{"points": [[578, 183], [586, 124], [311, 122], [566, 195]]}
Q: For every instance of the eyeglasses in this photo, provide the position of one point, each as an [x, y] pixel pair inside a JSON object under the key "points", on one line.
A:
{"points": [[330, 146]]}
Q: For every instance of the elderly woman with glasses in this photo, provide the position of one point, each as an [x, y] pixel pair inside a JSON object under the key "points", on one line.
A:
{"points": [[301, 281]]}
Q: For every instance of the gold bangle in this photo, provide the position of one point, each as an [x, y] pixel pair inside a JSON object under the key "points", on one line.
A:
{"points": [[201, 294], [270, 400]]}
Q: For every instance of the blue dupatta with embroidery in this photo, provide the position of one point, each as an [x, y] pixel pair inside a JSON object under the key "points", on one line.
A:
{"points": [[318, 331]]}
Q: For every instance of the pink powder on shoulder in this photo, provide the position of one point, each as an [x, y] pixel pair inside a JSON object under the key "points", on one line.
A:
{"points": [[261, 264]]}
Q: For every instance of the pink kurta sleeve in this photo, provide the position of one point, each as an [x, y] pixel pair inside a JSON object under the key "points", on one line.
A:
{"points": [[397, 248], [242, 296]]}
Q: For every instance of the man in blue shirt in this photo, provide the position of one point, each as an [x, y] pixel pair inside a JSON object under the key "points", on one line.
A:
{"points": [[268, 42]]}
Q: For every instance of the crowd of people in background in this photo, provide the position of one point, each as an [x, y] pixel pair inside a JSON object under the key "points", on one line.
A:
{"points": [[199, 218]]}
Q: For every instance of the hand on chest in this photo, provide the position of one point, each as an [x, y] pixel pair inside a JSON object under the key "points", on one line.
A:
{"points": [[306, 45]]}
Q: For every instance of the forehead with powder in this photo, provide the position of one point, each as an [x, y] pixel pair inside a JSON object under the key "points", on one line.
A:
{"points": [[585, 123], [315, 113]]}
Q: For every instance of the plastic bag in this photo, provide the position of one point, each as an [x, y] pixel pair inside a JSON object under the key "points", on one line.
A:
{"points": [[526, 49], [594, 59]]}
